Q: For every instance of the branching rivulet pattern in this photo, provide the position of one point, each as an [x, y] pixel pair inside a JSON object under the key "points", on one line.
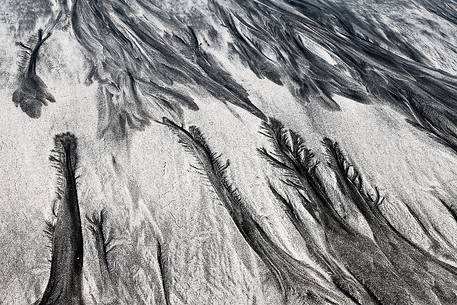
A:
{"points": [[415, 276]]}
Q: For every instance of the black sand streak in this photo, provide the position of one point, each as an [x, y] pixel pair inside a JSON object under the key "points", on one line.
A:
{"points": [[103, 246], [32, 93], [65, 281]]}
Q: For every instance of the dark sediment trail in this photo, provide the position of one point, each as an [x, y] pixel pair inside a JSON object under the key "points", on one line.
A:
{"points": [[65, 281], [32, 93]]}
